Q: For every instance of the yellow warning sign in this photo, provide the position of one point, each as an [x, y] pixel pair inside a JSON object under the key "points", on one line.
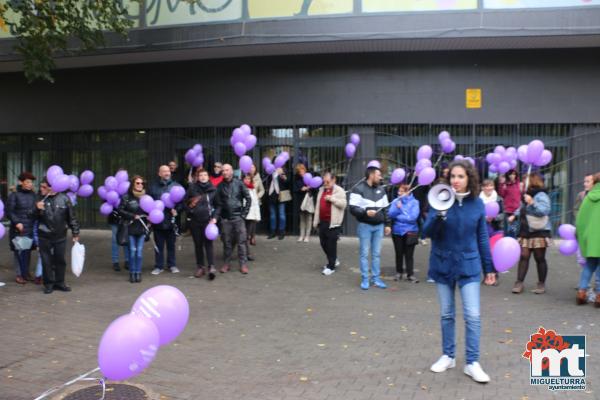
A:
{"points": [[473, 98]]}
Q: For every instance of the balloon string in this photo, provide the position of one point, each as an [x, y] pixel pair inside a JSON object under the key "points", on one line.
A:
{"points": [[438, 160], [83, 377]]}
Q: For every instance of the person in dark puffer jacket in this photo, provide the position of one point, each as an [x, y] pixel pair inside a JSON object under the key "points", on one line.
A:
{"points": [[132, 213], [20, 210]]}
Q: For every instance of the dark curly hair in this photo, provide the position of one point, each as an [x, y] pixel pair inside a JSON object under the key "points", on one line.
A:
{"points": [[472, 175]]}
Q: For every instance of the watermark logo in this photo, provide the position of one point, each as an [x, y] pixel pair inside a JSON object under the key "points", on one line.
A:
{"points": [[556, 361]]}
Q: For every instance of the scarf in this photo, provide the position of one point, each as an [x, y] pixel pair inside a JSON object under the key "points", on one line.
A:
{"points": [[491, 199], [461, 196], [274, 186], [138, 193], [203, 185], [249, 185]]}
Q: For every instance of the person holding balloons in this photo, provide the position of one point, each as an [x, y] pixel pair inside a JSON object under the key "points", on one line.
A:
{"points": [[588, 236], [494, 210], [132, 213], [404, 212], [460, 246], [200, 208], [509, 188], [55, 213], [278, 195], [534, 233]]}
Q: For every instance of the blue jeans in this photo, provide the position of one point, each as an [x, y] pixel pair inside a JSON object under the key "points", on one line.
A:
{"points": [[470, 301], [22, 259], [162, 236], [115, 246], [370, 237], [136, 247], [274, 209], [592, 264]]}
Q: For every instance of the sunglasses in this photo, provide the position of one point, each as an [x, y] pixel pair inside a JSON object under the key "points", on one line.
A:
{"points": [[139, 183]]}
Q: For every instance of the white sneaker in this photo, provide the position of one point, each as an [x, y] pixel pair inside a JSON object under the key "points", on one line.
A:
{"points": [[174, 270], [156, 271], [423, 242], [328, 271], [443, 364], [337, 262], [2, 284], [306, 240], [300, 239], [475, 371]]}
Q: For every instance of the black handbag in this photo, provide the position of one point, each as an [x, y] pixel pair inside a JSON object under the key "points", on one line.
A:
{"points": [[122, 234], [412, 238]]}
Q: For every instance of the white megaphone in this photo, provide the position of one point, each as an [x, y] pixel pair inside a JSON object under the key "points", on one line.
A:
{"points": [[441, 197]]}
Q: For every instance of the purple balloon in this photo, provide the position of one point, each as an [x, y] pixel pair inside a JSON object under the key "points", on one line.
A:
{"points": [[306, 178], [73, 197], [190, 156], [459, 157], [250, 142], [198, 161], [197, 149], [238, 136], [285, 155], [492, 209], [266, 161], [122, 176], [167, 307], [106, 209], [211, 232], [159, 205], [147, 203], [102, 192], [513, 164], [239, 149], [246, 164], [544, 159], [568, 247], [350, 150], [374, 163], [123, 187], [2, 231], [534, 151], [246, 130], [424, 152], [111, 183], [489, 158], [500, 150], [503, 167], [73, 183], [422, 164], [112, 198], [506, 254], [270, 169], [53, 172], [522, 153], [316, 182], [128, 346], [86, 177], [279, 161], [355, 139], [567, 232], [61, 183], [426, 176], [85, 190], [443, 136], [166, 199], [398, 176], [493, 168], [156, 216], [471, 160], [512, 153], [177, 194], [496, 158], [448, 146]]}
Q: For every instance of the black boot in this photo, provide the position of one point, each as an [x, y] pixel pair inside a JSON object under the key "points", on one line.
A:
{"points": [[281, 235], [131, 277], [126, 265], [271, 235], [116, 266], [138, 277]]}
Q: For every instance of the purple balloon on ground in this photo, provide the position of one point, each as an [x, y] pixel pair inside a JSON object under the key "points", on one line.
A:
{"points": [[211, 231], [506, 254], [147, 203], [492, 209], [426, 176], [567, 231], [156, 216], [86, 177], [128, 346], [350, 150], [177, 194], [424, 152], [106, 209], [122, 176], [568, 247], [355, 139], [102, 192], [167, 307], [398, 176], [85, 190]]}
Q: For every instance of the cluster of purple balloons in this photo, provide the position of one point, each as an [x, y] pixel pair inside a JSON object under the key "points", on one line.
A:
{"points": [[534, 153], [114, 187], [279, 162], [351, 147], [131, 342], [2, 228], [60, 182], [446, 142], [506, 253], [568, 246], [312, 181], [502, 159], [155, 208], [194, 156], [424, 169], [242, 140]]}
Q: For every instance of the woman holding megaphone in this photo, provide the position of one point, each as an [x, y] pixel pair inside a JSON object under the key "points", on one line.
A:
{"points": [[456, 224]]}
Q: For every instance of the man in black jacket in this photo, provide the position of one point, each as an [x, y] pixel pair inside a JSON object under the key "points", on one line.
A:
{"points": [[54, 213], [232, 204], [164, 233], [368, 204]]}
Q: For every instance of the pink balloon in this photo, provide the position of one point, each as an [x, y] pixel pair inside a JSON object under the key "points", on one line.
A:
{"points": [[398, 176], [106, 209], [147, 203], [128, 346], [568, 247], [156, 216], [355, 139], [111, 183], [102, 192], [424, 152], [426, 176], [239, 149], [211, 232], [61, 183], [250, 142], [350, 150], [506, 254], [534, 151], [85, 190], [167, 307], [566, 231], [86, 177], [246, 164], [492, 209]]}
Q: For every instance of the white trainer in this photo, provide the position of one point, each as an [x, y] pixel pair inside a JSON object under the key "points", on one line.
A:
{"points": [[443, 364], [475, 371], [156, 271], [328, 271], [174, 270], [337, 262]]}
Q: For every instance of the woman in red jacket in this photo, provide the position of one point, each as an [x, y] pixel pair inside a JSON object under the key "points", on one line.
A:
{"points": [[509, 190]]}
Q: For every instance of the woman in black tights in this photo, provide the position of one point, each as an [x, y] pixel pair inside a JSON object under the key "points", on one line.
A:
{"points": [[534, 233]]}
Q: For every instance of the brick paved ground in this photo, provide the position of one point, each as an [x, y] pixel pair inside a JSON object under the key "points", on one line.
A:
{"points": [[286, 332]]}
